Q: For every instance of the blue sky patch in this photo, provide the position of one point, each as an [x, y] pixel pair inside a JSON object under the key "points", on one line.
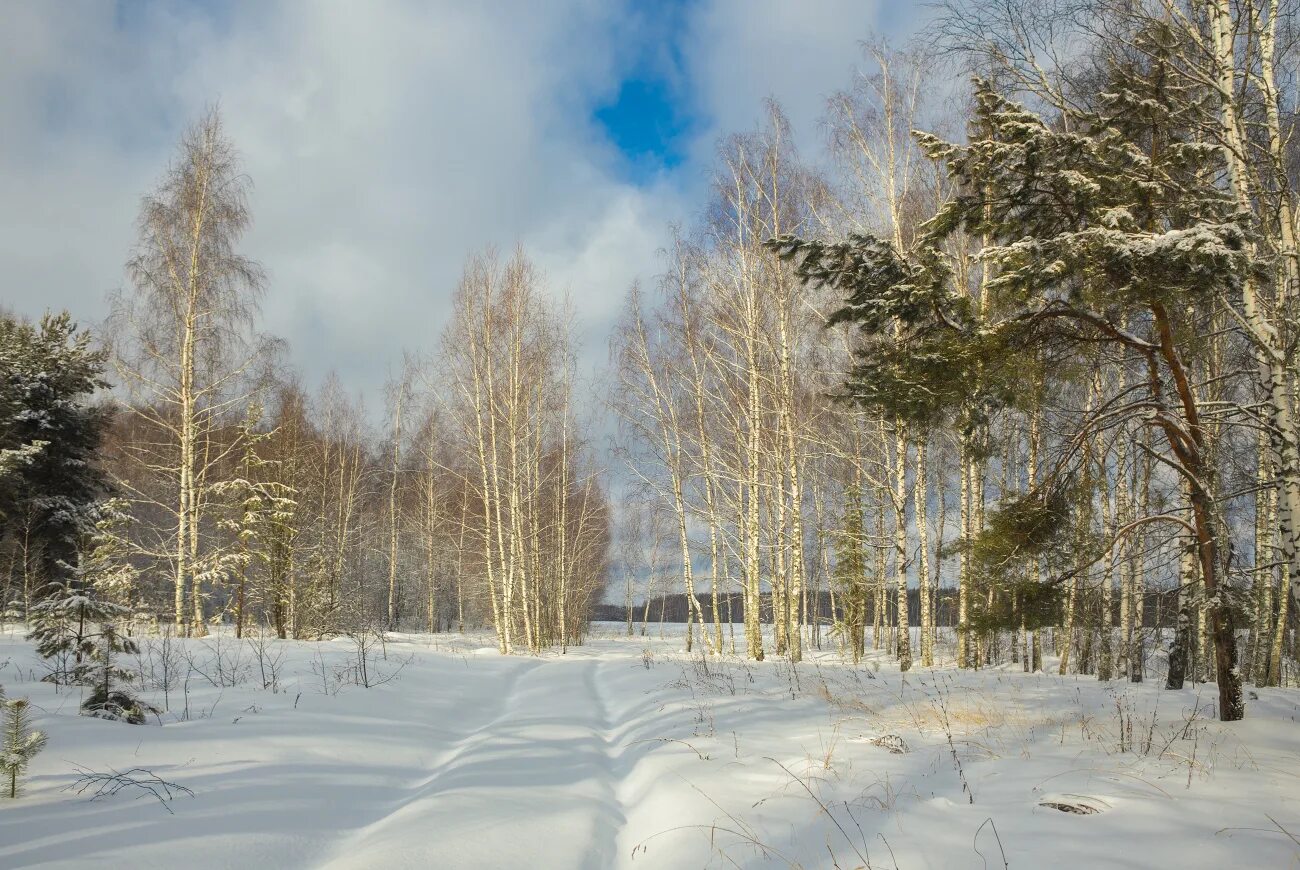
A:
{"points": [[645, 122], [648, 118]]}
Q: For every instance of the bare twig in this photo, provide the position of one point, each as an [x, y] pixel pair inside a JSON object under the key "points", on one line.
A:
{"points": [[110, 783]]}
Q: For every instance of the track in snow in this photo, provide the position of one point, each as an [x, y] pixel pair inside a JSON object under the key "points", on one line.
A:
{"points": [[498, 796]]}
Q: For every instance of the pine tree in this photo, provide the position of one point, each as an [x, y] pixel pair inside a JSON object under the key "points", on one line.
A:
{"points": [[63, 625], [106, 567], [1022, 535], [100, 588], [1104, 229], [850, 575], [254, 509], [21, 743], [109, 698], [49, 437]]}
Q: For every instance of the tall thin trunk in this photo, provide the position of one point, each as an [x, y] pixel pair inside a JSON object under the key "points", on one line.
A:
{"points": [[394, 469], [967, 527], [1031, 471], [921, 498], [904, 648]]}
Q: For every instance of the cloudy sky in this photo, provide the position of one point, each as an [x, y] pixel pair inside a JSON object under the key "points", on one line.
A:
{"points": [[386, 140]]}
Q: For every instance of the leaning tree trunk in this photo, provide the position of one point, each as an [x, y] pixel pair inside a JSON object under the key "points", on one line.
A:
{"points": [[1187, 442]]}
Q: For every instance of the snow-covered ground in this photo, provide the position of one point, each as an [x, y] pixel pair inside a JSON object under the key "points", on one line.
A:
{"points": [[628, 753]]}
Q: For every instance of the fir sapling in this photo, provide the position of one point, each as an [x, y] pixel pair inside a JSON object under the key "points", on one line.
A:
{"points": [[21, 743], [62, 624], [109, 697]]}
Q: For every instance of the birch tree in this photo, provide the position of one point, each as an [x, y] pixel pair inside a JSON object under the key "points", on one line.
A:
{"points": [[185, 341]]}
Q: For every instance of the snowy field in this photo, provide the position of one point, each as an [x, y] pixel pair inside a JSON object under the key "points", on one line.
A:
{"points": [[628, 753]]}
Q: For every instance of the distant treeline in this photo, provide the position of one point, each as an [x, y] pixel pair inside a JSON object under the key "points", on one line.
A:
{"points": [[1159, 610]]}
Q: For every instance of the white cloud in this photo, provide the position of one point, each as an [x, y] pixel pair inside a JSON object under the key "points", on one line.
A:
{"points": [[741, 52], [385, 140]]}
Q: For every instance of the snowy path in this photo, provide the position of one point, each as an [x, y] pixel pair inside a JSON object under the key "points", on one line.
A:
{"points": [[477, 761], [498, 795]]}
